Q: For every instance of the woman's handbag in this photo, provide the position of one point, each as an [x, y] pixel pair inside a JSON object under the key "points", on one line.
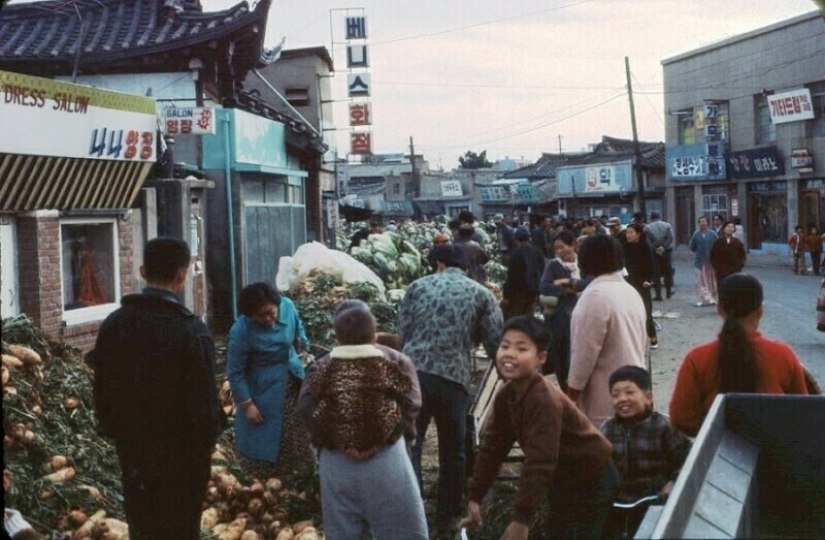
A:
{"points": [[820, 308], [549, 304]]}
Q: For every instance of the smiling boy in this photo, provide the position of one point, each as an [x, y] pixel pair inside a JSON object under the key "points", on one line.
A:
{"points": [[647, 449], [565, 456]]}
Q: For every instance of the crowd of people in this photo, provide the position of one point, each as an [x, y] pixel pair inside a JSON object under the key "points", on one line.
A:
{"points": [[576, 304]]}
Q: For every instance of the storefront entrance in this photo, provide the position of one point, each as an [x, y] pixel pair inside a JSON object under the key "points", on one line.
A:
{"points": [[768, 214]]}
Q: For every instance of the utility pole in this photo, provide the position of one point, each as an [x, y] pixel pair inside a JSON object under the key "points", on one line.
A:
{"points": [[637, 165], [416, 183]]}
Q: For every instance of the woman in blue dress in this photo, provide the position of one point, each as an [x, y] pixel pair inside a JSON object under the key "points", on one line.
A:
{"points": [[265, 374]]}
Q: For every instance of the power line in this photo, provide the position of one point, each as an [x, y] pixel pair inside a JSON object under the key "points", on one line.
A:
{"points": [[542, 126], [476, 25]]}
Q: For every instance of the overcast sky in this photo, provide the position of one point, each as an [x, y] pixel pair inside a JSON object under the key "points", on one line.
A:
{"points": [[510, 77]]}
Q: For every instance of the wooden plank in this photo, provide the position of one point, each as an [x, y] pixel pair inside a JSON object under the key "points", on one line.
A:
{"points": [[73, 187], [137, 176], [91, 176], [682, 500], [51, 186], [32, 190], [18, 183]]}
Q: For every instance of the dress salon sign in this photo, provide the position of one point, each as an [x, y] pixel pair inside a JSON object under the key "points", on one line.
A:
{"points": [[53, 118], [791, 106]]}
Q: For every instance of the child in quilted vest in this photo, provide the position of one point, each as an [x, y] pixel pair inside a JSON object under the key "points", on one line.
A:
{"points": [[357, 402]]}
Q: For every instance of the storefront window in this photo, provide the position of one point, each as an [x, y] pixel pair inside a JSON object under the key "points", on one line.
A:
{"points": [[687, 127], [818, 97], [765, 129], [90, 267], [715, 204], [771, 217]]}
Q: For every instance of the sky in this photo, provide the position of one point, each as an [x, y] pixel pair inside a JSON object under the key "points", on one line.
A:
{"points": [[513, 78]]}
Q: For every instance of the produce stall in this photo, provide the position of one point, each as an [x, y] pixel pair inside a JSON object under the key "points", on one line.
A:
{"points": [[66, 477]]}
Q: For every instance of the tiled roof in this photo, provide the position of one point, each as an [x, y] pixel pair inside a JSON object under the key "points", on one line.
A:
{"points": [[609, 150], [104, 34], [545, 167]]}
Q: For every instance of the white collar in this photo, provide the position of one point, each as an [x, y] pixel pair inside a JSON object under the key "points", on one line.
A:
{"points": [[355, 351]]}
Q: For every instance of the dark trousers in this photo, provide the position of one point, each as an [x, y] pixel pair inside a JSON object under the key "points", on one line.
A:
{"points": [[816, 260], [578, 509], [648, 302], [163, 493], [663, 269], [446, 402], [519, 305]]}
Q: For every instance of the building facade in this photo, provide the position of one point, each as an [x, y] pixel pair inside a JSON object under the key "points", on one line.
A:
{"points": [[745, 132]]}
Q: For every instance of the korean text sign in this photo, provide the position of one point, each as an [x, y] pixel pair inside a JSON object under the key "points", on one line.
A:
{"points": [[53, 118]]}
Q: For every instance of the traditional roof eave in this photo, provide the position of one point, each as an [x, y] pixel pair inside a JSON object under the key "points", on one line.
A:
{"points": [[118, 34]]}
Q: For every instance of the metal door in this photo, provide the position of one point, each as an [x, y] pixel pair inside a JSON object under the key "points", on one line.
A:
{"points": [[272, 232]]}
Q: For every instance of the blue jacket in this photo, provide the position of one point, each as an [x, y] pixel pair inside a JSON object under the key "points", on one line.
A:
{"points": [[258, 367]]}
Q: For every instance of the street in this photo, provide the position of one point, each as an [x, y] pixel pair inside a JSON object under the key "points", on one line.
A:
{"points": [[790, 316]]}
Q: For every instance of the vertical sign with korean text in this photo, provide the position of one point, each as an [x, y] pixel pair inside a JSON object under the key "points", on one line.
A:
{"points": [[358, 85]]}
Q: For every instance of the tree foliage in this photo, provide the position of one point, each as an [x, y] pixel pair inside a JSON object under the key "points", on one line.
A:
{"points": [[471, 160]]}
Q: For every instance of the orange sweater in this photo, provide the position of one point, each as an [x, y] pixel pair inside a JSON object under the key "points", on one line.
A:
{"points": [[778, 371]]}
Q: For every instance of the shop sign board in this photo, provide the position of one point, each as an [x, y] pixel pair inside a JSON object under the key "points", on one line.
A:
{"points": [[756, 163], [696, 162], [189, 121], [451, 188], [45, 117], [606, 178], [791, 106]]}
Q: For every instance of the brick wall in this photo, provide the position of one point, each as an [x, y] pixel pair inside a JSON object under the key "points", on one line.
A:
{"points": [[38, 238]]}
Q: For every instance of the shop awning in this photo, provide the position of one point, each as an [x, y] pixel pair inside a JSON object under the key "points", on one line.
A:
{"points": [[354, 213], [397, 208], [430, 208], [62, 183]]}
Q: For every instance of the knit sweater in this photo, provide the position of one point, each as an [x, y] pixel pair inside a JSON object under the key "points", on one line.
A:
{"points": [[558, 441], [648, 452], [778, 371]]}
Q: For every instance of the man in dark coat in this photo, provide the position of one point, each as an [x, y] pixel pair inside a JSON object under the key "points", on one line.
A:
{"points": [[474, 254], [156, 398], [521, 287]]}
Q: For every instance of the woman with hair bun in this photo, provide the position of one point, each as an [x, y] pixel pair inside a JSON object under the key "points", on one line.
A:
{"points": [[739, 360], [265, 373]]}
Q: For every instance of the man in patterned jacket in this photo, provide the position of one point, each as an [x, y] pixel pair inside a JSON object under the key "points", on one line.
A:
{"points": [[441, 321]]}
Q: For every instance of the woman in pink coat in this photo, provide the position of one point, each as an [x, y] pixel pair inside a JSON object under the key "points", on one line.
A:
{"points": [[607, 328]]}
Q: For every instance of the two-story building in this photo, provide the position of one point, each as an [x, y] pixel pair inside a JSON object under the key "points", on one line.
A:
{"points": [[745, 132]]}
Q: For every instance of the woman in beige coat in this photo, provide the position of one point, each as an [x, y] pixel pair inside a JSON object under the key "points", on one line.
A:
{"points": [[607, 328]]}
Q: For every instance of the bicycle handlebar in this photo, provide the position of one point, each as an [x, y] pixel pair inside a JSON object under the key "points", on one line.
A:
{"points": [[636, 504]]}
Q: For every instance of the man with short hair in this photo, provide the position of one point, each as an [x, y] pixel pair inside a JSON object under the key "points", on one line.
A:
{"points": [[660, 235], [441, 320], [504, 235], [474, 255], [156, 398], [520, 290]]}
